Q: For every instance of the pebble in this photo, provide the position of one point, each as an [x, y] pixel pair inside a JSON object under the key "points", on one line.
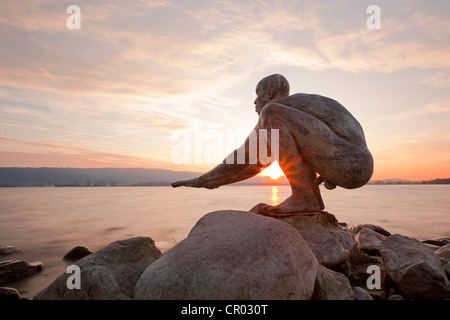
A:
{"points": [[77, 253]]}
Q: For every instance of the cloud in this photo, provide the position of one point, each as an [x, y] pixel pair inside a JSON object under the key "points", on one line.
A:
{"points": [[171, 48], [57, 154], [437, 107], [159, 122], [438, 79]]}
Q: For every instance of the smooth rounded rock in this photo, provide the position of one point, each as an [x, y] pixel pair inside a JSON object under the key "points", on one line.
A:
{"points": [[232, 255], [330, 244], [108, 274]]}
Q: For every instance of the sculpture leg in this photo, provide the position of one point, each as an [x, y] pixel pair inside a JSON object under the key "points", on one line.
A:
{"points": [[309, 146], [305, 196]]}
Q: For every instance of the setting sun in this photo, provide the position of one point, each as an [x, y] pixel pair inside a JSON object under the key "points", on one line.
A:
{"points": [[273, 171]]}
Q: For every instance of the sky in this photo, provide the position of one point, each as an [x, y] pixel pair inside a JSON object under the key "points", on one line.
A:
{"points": [[142, 82]]}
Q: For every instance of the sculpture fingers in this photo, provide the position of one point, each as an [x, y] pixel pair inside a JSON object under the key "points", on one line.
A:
{"points": [[178, 184]]}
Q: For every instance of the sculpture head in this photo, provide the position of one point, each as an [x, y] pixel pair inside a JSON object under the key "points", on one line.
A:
{"points": [[270, 88]]}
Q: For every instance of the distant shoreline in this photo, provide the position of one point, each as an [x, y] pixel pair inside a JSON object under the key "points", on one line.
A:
{"points": [[372, 183], [135, 177]]}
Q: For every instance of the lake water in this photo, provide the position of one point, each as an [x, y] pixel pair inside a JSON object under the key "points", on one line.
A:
{"points": [[48, 222]]}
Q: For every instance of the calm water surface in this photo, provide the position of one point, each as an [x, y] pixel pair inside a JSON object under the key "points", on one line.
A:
{"points": [[48, 222]]}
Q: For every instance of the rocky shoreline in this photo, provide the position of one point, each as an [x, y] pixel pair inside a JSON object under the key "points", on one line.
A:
{"points": [[240, 255]]}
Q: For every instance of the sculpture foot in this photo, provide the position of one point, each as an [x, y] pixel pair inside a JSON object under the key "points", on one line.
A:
{"points": [[289, 207]]}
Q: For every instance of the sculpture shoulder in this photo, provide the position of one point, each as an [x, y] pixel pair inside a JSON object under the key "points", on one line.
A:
{"points": [[310, 101]]}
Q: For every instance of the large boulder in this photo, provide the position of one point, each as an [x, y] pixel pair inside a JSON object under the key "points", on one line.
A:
{"points": [[108, 274], [415, 270], [233, 255], [330, 244], [12, 270]]}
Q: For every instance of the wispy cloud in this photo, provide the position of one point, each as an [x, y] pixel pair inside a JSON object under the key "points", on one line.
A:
{"points": [[140, 49], [440, 79], [437, 107], [158, 122], [67, 152]]}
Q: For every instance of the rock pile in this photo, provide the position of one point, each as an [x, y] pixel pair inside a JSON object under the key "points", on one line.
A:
{"points": [[242, 255]]}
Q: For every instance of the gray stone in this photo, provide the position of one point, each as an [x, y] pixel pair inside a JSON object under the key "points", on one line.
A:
{"points": [[368, 240], [330, 244], [12, 270], [414, 269], [444, 253], [5, 250], [232, 255], [361, 294], [77, 253], [7, 293], [373, 227], [108, 274], [332, 285]]}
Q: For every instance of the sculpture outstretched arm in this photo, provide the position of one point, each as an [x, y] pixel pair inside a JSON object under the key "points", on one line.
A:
{"points": [[221, 175], [225, 173]]}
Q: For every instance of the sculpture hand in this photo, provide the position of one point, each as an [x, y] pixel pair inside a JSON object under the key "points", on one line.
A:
{"points": [[195, 183], [328, 184]]}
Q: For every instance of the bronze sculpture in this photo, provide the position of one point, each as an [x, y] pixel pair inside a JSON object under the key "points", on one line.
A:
{"points": [[319, 141]]}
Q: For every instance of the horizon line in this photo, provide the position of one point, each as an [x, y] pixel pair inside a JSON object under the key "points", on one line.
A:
{"points": [[144, 168]]}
